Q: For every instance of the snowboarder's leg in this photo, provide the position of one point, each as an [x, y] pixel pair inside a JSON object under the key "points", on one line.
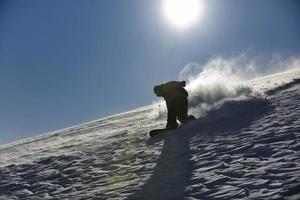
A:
{"points": [[172, 120], [182, 109]]}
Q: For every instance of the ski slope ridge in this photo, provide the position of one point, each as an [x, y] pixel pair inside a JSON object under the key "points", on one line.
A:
{"points": [[243, 148]]}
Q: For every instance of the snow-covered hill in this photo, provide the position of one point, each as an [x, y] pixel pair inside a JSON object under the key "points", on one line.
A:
{"points": [[245, 147]]}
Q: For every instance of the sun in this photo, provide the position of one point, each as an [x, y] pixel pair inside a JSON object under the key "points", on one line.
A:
{"points": [[183, 13]]}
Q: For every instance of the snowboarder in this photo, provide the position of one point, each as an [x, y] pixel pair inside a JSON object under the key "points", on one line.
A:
{"points": [[177, 103]]}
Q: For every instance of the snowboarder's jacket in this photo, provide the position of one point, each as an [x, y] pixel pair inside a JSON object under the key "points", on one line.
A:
{"points": [[176, 99], [171, 90]]}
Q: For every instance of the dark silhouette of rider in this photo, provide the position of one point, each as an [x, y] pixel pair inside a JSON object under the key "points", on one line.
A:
{"points": [[176, 99]]}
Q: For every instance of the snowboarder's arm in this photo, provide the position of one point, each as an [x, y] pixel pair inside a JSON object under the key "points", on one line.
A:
{"points": [[169, 89], [175, 84]]}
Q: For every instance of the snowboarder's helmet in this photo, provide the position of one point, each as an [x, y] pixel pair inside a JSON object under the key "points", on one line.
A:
{"points": [[158, 90]]}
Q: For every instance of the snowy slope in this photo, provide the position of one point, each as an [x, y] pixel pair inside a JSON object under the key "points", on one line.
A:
{"points": [[242, 148]]}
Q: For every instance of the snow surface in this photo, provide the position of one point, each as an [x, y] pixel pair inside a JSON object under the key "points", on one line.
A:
{"points": [[241, 148]]}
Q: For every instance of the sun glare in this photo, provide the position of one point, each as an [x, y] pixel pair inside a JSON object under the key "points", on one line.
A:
{"points": [[182, 13]]}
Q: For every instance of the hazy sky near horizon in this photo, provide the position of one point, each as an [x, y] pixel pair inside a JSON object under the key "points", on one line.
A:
{"points": [[64, 62]]}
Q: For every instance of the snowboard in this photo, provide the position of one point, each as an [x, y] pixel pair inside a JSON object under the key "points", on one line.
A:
{"points": [[156, 132]]}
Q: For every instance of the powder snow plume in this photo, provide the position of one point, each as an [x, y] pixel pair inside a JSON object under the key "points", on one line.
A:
{"points": [[217, 81], [222, 79]]}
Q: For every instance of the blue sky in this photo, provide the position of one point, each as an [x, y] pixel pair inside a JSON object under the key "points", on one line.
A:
{"points": [[64, 62]]}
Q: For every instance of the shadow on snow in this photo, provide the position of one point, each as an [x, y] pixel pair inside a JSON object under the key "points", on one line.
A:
{"points": [[173, 171]]}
